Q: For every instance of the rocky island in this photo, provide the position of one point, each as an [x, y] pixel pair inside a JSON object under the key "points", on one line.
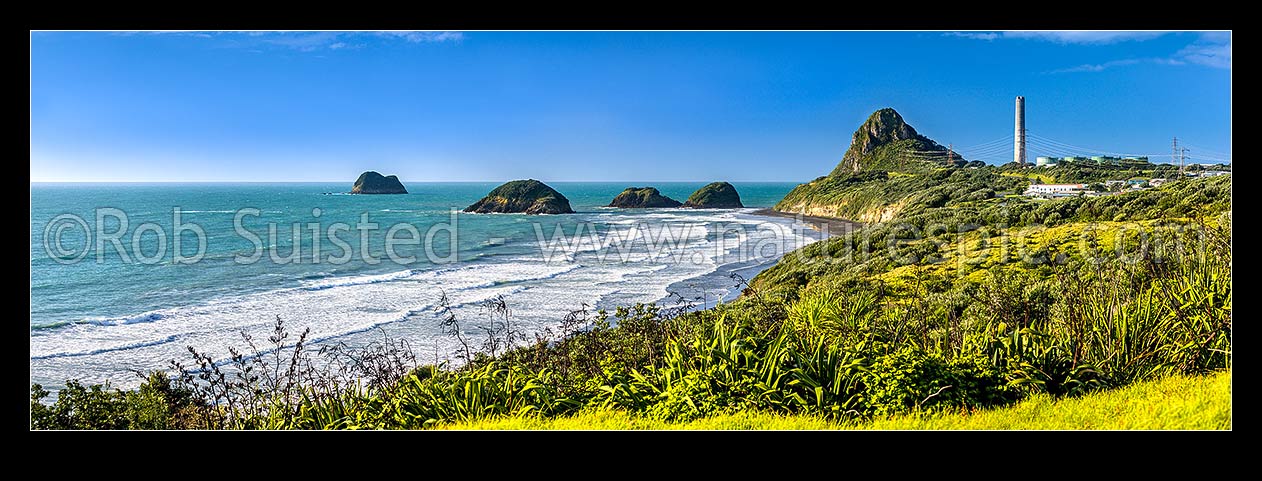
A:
{"points": [[642, 197], [718, 195], [372, 182], [522, 197]]}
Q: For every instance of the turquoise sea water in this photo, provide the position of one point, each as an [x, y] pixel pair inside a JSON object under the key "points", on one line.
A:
{"points": [[110, 312]]}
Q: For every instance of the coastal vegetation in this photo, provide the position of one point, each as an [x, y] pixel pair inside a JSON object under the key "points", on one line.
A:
{"points": [[957, 306], [1180, 402]]}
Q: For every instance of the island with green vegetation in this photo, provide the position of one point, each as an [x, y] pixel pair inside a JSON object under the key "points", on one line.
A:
{"points": [[372, 182], [642, 197], [958, 304], [715, 195], [522, 197]]}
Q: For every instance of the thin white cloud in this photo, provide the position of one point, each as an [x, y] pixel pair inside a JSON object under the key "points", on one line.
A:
{"points": [[1210, 51], [178, 33], [1216, 37], [312, 41], [307, 41], [1098, 67], [302, 41], [1083, 36], [1062, 36], [987, 36], [425, 37]]}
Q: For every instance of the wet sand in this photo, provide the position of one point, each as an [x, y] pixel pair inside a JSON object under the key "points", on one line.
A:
{"points": [[832, 226]]}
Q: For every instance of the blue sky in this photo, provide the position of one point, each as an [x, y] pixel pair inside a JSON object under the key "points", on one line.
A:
{"points": [[573, 106]]}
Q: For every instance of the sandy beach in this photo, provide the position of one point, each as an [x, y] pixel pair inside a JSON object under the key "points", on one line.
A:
{"points": [[829, 225]]}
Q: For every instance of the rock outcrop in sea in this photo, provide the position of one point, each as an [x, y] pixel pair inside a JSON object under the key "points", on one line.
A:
{"points": [[523, 197], [717, 195], [372, 182], [642, 197]]}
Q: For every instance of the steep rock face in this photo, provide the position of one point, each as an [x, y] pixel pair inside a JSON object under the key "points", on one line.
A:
{"points": [[718, 195], [523, 197], [885, 141], [373, 183], [880, 175], [642, 197]]}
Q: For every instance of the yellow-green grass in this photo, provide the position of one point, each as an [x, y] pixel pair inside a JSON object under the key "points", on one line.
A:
{"points": [[1176, 402], [621, 420], [1045, 178], [975, 254]]}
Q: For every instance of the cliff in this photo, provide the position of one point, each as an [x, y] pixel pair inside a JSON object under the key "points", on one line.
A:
{"points": [[888, 167], [886, 142]]}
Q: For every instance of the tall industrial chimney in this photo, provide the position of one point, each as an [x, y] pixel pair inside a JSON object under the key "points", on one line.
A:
{"points": [[1018, 147]]}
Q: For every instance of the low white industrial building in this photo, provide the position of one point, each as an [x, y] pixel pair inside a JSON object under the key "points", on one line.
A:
{"points": [[1214, 173], [1055, 190]]}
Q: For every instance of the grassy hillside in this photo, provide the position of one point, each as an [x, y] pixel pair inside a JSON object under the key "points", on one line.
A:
{"points": [[882, 196], [1025, 232], [1175, 402]]}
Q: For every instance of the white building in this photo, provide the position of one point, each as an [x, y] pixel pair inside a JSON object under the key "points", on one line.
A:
{"points": [[1055, 190]]}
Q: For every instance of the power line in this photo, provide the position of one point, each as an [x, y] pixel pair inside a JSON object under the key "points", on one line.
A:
{"points": [[1072, 147], [986, 152], [1006, 140], [1087, 150], [1202, 149]]}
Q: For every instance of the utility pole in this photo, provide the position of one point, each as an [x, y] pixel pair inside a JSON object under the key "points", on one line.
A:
{"points": [[1174, 155], [950, 155], [1182, 152]]}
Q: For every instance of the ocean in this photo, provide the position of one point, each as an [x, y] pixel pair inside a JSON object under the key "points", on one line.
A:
{"points": [[108, 299]]}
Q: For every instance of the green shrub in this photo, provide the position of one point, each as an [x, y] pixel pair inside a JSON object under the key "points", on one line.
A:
{"points": [[156, 404], [911, 379]]}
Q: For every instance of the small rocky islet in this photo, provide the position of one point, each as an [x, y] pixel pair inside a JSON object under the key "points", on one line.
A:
{"points": [[531, 196], [717, 195], [522, 197], [372, 182], [642, 198]]}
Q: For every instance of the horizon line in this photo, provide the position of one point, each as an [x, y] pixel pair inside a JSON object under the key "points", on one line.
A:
{"points": [[401, 180]]}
